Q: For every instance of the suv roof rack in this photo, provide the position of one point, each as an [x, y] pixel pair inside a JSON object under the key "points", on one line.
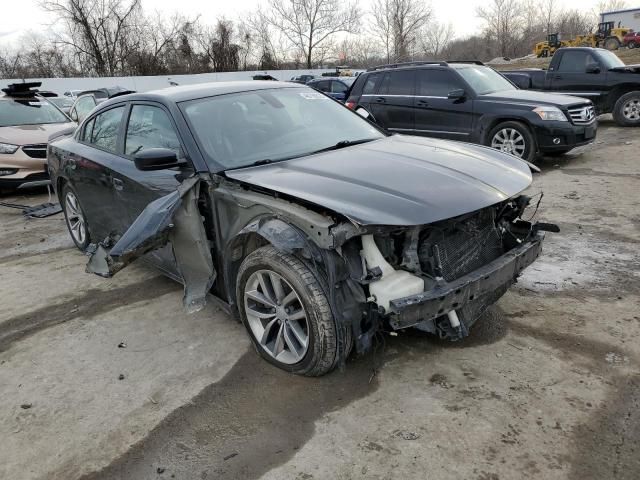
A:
{"points": [[474, 62], [406, 64], [27, 89]]}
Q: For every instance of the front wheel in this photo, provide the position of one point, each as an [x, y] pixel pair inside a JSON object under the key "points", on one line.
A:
{"points": [[286, 312], [75, 218], [626, 111], [612, 44], [632, 44], [514, 138]]}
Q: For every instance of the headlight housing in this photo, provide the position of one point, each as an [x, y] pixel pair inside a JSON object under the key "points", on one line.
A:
{"points": [[551, 113], [8, 148]]}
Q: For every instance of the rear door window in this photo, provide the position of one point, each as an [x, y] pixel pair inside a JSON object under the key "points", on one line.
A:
{"points": [[150, 127], [370, 84], [323, 86], [338, 87], [436, 83], [105, 129], [576, 61], [398, 83]]}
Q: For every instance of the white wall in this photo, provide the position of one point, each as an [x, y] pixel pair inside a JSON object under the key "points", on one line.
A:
{"points": [[143, 84]]}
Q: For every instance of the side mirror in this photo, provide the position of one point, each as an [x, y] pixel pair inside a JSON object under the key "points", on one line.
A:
{"points": [[593, 68], [456, 94], [156, 159]]}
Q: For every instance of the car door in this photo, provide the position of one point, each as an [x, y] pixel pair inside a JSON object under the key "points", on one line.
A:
{"points": [[579, 73], [437, 115], [91, 160], [392, 105], [149, 125], [82, 107]]}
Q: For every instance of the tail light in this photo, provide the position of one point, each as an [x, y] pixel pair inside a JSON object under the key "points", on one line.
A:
{"points": [[350, 105]]}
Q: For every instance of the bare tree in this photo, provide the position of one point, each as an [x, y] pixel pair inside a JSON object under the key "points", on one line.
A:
{"points": [[548, 12], [219, 46], [397, 24], [436, 37], [503, 24], [102, 33], [309, 25]]}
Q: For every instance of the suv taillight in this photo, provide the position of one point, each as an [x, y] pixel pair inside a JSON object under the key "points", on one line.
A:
{"points": [[350, 105]]}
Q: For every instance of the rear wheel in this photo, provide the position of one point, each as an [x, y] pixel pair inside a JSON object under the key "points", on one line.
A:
{"points": [[75, 218], [626, 111], [286, 312], [514, 138]]}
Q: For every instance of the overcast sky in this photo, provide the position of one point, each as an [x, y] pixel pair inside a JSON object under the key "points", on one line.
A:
{"points": [[20, 16]]}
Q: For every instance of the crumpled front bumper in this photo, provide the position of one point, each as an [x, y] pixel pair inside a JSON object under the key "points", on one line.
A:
{"points": [[503, 271]]}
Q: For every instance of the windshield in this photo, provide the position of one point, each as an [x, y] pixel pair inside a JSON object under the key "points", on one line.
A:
{"points": [[61, 102], [237, 130], [485, 80], [29, 111], [610, 60]]}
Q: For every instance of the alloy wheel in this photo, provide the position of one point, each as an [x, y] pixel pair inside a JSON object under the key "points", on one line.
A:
{"points": [[276, 316], [509, 140], [631, 109], [75, 219]]}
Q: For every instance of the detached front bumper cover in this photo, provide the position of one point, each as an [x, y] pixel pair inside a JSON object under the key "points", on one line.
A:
{"points": [[409, 311]]}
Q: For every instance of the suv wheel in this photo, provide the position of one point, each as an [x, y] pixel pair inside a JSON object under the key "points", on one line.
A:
{"points": [[626, 111], [75, 218], [286, 313], [514, 138]]}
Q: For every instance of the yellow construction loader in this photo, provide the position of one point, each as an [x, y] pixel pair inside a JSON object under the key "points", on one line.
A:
{"points": [[607, 36], [549, 46]]}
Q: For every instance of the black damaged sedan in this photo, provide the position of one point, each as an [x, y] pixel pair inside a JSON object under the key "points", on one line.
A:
{"points": [[305, 220]]}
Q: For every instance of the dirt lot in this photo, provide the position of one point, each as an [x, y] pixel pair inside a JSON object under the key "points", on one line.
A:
{"points": [[547, 386]]}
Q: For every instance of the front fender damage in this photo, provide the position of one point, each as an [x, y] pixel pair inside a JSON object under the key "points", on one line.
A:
{"points": [[175, 219]]}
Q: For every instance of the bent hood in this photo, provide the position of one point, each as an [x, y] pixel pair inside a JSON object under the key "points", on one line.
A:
{"points": [[398, 180]]}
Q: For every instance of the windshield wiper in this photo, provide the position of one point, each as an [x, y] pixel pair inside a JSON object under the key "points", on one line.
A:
{"points": [[342, 144]]}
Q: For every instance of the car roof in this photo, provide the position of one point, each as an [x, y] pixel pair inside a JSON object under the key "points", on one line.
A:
{"points": [[183, 93]]}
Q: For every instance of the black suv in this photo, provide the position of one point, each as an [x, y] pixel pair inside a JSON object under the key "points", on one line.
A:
{"points": [[471, 102]]}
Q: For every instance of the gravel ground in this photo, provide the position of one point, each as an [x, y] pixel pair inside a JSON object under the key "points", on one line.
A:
{"points": [[547, 385]]}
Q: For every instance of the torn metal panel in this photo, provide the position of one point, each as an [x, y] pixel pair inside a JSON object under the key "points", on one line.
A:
{"points": [[174, 219], [192, 251]]}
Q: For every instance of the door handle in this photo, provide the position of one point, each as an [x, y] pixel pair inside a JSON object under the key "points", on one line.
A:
{"points": [[381, 100], [557, 77], [117, 183], [423, 103]]}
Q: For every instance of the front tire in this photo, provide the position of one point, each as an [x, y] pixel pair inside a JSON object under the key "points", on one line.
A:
{"points": [[286, 312], [612, 44], [514, 138], [626, 111], [75, 218]]}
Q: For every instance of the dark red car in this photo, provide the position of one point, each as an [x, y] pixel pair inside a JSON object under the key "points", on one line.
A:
{"points": [[631, 40]]}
